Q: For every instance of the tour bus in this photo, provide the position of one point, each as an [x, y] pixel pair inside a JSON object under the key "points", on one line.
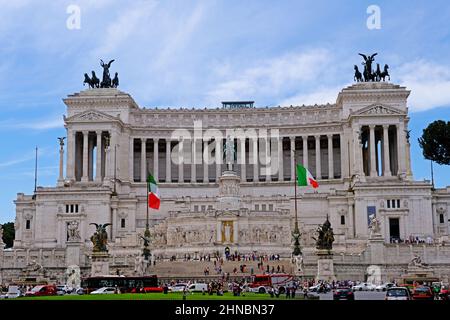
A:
{"points": [[280, 281], [410, 282], [143, 284]]}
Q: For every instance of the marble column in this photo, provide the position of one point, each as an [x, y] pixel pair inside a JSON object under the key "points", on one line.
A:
{"points": [[98, 155], [255, 158], [318, 160], [205, 162], [70, 170], [373, 170], [280, 159], [193, 161], [330, 157], [386, 160], [143, 159], [218, 158], [131, 159], [85, 176], [61, 166], [241, 159], [181, 161], [344, 155], [305, 151], [401, 148], [155, 158], [293, 166], [168, 161]]}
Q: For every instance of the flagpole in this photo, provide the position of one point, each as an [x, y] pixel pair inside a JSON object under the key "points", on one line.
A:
{"points": [[296, 233], [146, 251], [35, 170]]}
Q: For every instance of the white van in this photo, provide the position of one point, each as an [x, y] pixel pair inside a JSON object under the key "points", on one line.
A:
{"points": [[198, 287], [13, 292]]}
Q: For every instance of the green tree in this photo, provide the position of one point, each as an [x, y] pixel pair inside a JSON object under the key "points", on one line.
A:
{"points": [[8, 234], [435, 142]]}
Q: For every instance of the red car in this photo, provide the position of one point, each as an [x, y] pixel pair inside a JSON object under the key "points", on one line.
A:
{"points": [[444, 294], [42, 290], [422, 293]]}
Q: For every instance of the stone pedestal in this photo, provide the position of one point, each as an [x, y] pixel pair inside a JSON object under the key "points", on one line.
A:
{"points": [[325, 266], [229, 197], [376, 247], [99, 264], [73, 253]]}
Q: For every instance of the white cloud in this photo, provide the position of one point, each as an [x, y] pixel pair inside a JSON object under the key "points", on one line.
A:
{"points": [[40, 124], [319, 96], [273, 78], [429, 84]]}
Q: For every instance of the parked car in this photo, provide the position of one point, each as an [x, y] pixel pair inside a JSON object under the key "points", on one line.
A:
{"points": [[63, 289], [104, 290], [198, 287], [13, 292], [384, 286], [397, 293], [444, 293], [179, 287], [79, 291], [422, 293], [319, 288], [345, 293], [364, 286], [42, 290]]}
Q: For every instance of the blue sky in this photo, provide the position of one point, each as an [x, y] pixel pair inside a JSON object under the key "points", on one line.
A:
{"points": [[198, 53]]}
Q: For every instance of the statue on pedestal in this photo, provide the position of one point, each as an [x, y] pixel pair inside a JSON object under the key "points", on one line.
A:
{"points": [[374, 226], [229, 153], [100, 237], [325, 238], [73, 233]]}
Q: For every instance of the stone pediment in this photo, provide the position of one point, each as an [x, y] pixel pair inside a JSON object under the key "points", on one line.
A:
{"points": [[377, 109], [91, 116]]}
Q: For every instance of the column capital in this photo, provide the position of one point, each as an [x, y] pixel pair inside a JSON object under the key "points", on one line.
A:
{"points": [[386, 126], [292, 138], [98, 132], [85, 132], [371, 126], [317, 136], [155, 140], [143, 140], [329, 136], [305, 137]]}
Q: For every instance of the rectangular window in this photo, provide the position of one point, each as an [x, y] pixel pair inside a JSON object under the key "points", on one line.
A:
{"points": [[76, 208], [210, 207], [71, 208], [203, 208], [441, 218], [28, 224], [256, 207], [342, 219], [393, 204], [398, 203], [263, 207], [122, 223], [67, 208], [389, 204], [195, 208], [270, 207]]}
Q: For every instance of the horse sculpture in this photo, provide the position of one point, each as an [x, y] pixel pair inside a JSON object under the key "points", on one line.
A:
{"points": [[358, 75], [115, 81], [92, 82], [385, 73]]}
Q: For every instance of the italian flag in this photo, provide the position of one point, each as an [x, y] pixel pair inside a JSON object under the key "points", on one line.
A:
{"points": [[153, 197], [305, 178]]}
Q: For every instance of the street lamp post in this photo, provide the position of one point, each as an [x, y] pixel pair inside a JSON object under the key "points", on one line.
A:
{"points": [[296, 234]]}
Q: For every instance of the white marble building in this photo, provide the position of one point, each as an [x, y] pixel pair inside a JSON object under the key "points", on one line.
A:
{"points": [[357, 148]]}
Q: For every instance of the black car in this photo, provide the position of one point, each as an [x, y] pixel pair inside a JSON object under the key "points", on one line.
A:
{"points": [[343, 293]]}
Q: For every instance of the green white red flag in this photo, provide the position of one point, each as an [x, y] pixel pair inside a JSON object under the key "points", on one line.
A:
{"points": [[305, 178], [154, 199]]}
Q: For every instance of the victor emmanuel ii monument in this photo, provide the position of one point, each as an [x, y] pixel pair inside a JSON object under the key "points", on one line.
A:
{"points": [[357, 148]]}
